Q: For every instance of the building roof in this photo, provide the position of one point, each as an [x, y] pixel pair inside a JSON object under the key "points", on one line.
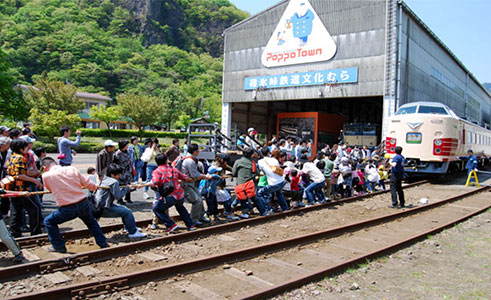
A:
{"points": [[25, 87], [92, 96], [440, 42]]}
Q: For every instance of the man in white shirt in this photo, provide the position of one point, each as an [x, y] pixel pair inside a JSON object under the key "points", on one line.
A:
{"points": [[275, 181], [315, 189]]}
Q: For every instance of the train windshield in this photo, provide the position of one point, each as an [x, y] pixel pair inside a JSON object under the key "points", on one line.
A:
{"points": [[406, 110], [432, 110]]}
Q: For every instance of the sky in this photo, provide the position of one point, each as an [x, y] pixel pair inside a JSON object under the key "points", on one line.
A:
{"points": [[463, 25]]}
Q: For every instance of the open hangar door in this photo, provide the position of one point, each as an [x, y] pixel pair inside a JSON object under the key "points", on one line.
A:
{"points": [[262, 115]]}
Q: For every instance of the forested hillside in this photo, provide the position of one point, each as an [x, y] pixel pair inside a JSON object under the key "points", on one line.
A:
{"points": [[168, 49]]}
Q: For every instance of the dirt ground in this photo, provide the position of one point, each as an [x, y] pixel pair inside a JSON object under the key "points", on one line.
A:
{"points": [[454, 264]]}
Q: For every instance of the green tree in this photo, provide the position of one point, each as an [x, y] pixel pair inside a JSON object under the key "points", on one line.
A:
{"points": [[105, 114], [12, 104], [142, 110], [48, 95], [183, 121], [174, 100], [48, 123], [54, 104]]}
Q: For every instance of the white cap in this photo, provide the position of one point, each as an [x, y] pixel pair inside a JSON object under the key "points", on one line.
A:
{"points": [[110, 143], [251, 129], [28, 139]]}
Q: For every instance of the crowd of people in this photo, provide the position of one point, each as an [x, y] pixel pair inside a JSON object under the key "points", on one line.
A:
{"points": [[272, 177]]}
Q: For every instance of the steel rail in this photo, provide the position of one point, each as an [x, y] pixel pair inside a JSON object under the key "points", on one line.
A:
{"points": [[53, 265], [116, 283], [41, 239], [336, 269]]}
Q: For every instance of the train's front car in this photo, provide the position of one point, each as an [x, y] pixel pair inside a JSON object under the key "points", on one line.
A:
{"points": [[428, 132]]}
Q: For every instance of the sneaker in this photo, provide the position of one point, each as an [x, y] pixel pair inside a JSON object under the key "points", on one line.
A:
{"points": [[300, 204], [129, 201], [217, 218], [322, 202], [198, 223], [392, 206], [204, 219], [153, 226], [53, 249], [268, 213], [25, 229], [192, 228], [172, 228], [232, 218], [137, 234], [19, 258], [137, 229], [121, 202], [244, 216], [146, 196]]}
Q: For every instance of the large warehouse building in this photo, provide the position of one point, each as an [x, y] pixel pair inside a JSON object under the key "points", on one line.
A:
{"points": [[360, 59]]}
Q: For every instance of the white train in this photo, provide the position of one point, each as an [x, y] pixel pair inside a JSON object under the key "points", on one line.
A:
{"points": [[433, 136]]}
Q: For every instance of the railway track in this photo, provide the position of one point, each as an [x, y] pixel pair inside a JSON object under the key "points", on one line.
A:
{"points": [[296, 250], [87, 254], [42, 239]]}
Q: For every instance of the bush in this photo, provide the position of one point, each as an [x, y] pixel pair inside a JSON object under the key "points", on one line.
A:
{"points": [[127, 133], [82, 148]]}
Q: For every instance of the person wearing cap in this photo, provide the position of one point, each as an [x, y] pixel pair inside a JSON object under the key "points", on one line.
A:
{"points": [[65, 146], [251, 136], [4, 131], [105, 157], [208, 189], [396, 176], [472, 161], [315, 189]]}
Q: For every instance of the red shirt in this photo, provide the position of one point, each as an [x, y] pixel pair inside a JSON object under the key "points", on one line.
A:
{"points": [[163, 174], [294, 184]]}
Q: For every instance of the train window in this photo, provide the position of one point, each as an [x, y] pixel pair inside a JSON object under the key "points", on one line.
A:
{"points": [[468, 137], [406, 110], [432, 110]]}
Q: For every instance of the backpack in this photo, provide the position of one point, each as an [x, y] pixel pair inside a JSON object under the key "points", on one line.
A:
{"points": [[177, 163]]}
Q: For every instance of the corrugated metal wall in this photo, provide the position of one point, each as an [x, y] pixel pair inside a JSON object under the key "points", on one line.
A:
{"points": [[429, 73], [358, 28]]}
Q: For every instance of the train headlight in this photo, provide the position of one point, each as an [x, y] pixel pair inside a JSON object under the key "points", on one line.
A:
{"points": [[392, 141], [438, 142]]}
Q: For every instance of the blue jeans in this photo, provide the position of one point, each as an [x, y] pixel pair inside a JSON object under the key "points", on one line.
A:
{"points": [[82, 210], [160, 207], [265, 192], [314, 190], [211, 202], [115, 211], [138, 170], [150, 169]]}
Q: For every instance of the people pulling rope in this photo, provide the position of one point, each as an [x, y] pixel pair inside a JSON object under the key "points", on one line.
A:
{"points": [[14, 194]]}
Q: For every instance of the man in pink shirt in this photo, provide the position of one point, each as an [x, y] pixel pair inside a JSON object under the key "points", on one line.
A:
{"points": [[67, 186]]}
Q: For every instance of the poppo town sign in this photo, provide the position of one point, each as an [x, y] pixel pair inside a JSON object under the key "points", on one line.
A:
{"points": [[300, 37]]}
